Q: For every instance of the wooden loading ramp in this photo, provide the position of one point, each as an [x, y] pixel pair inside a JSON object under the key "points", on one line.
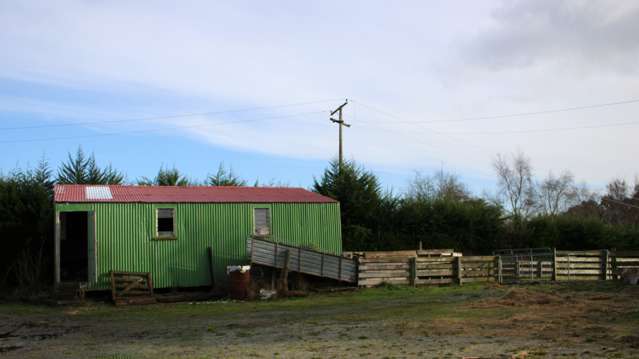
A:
{"points": [[302, 260]]}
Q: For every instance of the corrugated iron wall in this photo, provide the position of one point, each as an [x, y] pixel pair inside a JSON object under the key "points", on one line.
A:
{"points": [[126, 237]]}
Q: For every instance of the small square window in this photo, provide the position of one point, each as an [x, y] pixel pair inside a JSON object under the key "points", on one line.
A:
{"points": [[166, 222], [262, 221]]}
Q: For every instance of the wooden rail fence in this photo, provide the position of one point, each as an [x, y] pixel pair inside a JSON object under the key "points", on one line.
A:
{"points": [[425, 270], [510, 267]]}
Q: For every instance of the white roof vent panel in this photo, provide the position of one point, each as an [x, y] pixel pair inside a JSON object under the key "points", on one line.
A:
{"points": [[98, 192]]}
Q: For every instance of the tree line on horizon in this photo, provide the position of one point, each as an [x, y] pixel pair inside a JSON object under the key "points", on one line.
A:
{"points": [[81, 168], [438, 210]]}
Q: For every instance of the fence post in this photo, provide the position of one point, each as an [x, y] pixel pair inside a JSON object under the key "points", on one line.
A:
{"points": [[614, 264], [568, 256], [500, 278], [539, 267], [283, 282], [356, 269], [531, 265], [459, 269], [604, 264], [517, 268], [413, 271], [554, 264]]}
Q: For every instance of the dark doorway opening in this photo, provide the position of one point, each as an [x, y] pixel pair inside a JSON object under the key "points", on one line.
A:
{"points": [[74, 246]]}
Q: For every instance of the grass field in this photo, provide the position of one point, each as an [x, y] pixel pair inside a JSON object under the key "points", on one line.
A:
{"points": [[598, 320]]}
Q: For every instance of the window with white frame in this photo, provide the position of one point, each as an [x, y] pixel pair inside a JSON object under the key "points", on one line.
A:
{"points": [[262, 221], [166, 222]]}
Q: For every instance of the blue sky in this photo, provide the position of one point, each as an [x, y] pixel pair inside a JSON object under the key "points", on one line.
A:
{"points": [[111, 76], [111, 125]]}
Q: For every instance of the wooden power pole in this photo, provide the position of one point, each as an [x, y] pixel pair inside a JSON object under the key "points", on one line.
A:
{"points": [[340, 122]]}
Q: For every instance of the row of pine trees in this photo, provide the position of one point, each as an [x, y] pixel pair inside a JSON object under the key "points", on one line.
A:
{"points": [[437, 211]]}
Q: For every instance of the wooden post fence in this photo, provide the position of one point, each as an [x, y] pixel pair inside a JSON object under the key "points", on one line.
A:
{"points": [[604, 264], [413, 270], [541, 265], [531, 265], [554, 264], [459, 269], [614, 264], [540, 268]]}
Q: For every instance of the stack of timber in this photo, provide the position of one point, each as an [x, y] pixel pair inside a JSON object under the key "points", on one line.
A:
{"points": [[382, 254], [131, 288], [302, 260], [404, 253], [425, 270], [438, 253]]}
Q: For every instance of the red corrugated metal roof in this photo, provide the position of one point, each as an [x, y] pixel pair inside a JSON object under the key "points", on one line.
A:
{"points": [[195, 194]]}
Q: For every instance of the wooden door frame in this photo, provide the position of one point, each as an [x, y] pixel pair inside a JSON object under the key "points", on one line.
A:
{"points": [[92, 270]]}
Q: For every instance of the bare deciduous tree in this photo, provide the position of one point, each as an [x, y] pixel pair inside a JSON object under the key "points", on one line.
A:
{"points": [[618, 189], [442, 185], [584, 194], [555, 194], [516, 188]]}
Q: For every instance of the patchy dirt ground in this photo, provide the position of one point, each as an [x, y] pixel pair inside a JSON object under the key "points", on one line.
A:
{"points": [[569, 320]]}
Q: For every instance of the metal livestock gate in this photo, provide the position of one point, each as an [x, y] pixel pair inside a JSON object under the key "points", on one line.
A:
{"points": [[526, 264]]}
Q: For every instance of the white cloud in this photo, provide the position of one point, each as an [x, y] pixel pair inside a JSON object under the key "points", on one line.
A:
{"points": [[425, 60]]}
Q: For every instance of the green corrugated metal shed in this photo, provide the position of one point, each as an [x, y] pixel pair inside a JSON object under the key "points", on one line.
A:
{"points": [[122, 228]]}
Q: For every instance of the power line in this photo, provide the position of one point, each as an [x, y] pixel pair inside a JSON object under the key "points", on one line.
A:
{"points": [[164, 117], [544, 112], [522, 114], [552, 129], [417, 139], [389, 115], [44, 139], [498, 132]]}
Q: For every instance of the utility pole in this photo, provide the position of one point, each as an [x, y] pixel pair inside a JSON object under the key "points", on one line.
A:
{"points": [[340, 122]]}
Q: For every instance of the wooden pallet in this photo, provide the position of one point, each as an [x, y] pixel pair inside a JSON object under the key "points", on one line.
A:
{"points": [[132, 288]]}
